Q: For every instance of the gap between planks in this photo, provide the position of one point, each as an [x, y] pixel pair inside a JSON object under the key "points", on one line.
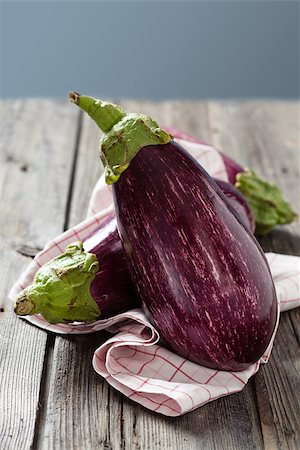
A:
{"points": [[35, 134], [49, 350]]}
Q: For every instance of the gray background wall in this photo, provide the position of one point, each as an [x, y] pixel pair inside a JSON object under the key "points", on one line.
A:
{"points": [[150, 49]]}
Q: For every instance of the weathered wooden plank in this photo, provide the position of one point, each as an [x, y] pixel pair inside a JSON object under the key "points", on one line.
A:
{"points": [[191, 117], [37, 147], [88, 169], [267, 135], [279, 384], [219, 424], [82, 410], [75, 393]]}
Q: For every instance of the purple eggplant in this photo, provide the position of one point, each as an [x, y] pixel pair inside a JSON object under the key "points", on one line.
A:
{"points": [[238, 202], [202, 277], [111, 288], [88, 281], [264, 198]]}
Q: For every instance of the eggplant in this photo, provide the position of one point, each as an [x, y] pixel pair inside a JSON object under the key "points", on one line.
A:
{"points": [[88, 281], [238, 202], [265, 199], [110, 288], [202, 277]]}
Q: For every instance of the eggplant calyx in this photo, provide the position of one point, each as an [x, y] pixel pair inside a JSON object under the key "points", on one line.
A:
{"points": [[124, 134], [60, 291], [266, 201]]}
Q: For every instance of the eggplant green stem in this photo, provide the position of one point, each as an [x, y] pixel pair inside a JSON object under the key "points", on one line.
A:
{"points": [[60, 291], [268, 206], [105, 114], [124, 134]]}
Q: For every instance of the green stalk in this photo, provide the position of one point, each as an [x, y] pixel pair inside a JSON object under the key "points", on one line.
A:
{"points": [[124, 134], [266, 202]]}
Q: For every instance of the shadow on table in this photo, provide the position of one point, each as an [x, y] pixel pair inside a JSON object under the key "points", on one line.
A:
{"points": [[281, 241]]}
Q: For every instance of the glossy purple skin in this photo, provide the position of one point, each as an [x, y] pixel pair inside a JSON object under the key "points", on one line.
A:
{"points": [[201, 275], [239, 203], [112, 288]]}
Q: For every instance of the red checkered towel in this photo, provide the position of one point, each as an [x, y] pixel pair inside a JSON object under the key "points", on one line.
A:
{"points": [[132, 361]]}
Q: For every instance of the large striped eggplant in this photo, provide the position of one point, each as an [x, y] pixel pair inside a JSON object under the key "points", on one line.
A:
{"points": [[60, 292], [89, 281], [202, 277], [265, 199]]}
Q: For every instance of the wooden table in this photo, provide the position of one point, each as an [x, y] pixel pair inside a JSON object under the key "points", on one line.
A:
{"points": [[50, 396]]}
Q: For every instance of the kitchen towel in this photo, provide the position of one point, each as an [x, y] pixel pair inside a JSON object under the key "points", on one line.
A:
{"points": [[132, 360]]}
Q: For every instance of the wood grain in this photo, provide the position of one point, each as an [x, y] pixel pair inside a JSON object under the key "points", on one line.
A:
{"points": [[78, 409], [37, 147]]}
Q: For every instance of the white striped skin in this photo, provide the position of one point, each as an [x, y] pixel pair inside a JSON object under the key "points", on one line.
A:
{"points": [[202, 277]]}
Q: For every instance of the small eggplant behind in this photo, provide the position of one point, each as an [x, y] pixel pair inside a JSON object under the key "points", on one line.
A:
{"points": [[112, 288], [238, 202], [267, 203], [89, 281]]}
